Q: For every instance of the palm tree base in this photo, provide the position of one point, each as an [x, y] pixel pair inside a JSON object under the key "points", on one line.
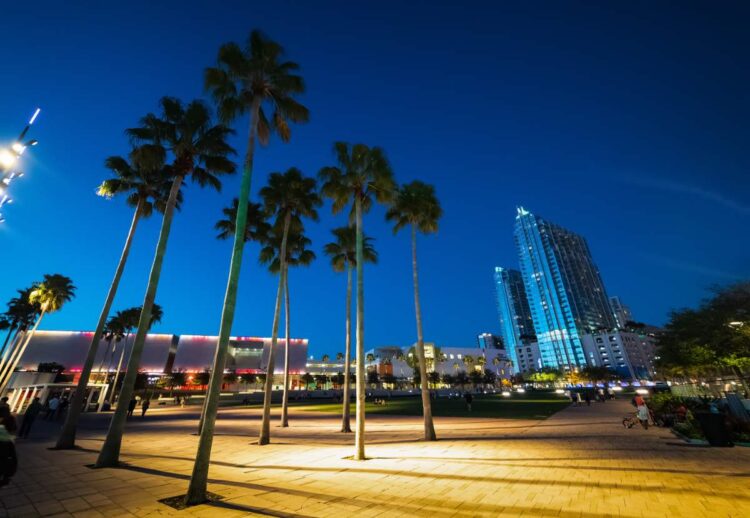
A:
{"points": [[346, 429], [263, 441]]}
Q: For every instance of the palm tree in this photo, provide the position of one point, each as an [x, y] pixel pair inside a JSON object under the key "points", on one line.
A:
{"points": [[145, 181], [19, 316], [244, 81], [127, 320], [362, 174], [297, 255], [199, 150], [343, 254], [469, 361], [288, 197], [325, 358], [417, 207], [50, 295], [339, 357], [481, 362]]}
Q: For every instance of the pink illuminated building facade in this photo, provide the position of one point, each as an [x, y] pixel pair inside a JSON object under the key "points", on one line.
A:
{"points": [[163, 353]]}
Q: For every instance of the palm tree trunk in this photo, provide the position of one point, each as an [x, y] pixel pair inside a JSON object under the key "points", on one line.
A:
{"points": [[11, 349], [346, 407], [7, 339], [196, 493], [68, 434], [429, 427], [359, 436], [265, 426], [110, 454], [18, 354], [285, 396], [117, 372]]}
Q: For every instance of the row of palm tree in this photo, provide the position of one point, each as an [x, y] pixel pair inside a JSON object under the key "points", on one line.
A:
{"points": [[31, 305], [183, 141]]}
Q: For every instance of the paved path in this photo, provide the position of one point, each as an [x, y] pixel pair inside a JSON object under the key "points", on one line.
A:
{"points": [[580, 462]]}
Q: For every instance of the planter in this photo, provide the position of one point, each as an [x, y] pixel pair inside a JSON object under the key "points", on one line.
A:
{"points": [[714, 428]]}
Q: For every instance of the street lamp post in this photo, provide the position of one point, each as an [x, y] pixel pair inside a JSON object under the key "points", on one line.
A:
{"points": [[9, 158]]}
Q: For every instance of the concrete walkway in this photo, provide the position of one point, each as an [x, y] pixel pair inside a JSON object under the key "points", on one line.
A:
{"points": [[581, 462]]}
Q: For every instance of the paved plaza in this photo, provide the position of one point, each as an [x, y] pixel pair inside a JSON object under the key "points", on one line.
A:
{"points": [[581, 462]]}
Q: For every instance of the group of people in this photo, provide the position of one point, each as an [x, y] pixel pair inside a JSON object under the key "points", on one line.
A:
{"points": [[602, 394]]}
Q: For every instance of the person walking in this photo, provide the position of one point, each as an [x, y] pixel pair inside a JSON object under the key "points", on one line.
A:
{"points": [[52, 406], [28, 417], [469, 398], [587, 397], [131, 406], [8, 459], [144, 406], [641, 410], [63, 407], [4, 402]]}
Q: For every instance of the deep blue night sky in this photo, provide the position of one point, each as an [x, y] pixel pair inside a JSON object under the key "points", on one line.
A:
{"points": [[625, 122]]}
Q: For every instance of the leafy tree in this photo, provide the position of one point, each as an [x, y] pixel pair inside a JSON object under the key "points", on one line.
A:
{"points": [[200, 151], [489, 377], [448, 379], [307, 378], [370, 357], [339, 357], [546, 375], [373, 378], [201, 378], [177, 379], [321, 380], [461, 378], [325, 358], [433, 377], [230, 378], [476, 377], [362, 175], [49, 296], [343, 254], [715, 335], [469, 361], [250, 80], [338, 379], [388, 379]]}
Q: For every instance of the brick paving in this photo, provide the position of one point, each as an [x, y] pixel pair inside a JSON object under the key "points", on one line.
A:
{"points": [[579, 463]]}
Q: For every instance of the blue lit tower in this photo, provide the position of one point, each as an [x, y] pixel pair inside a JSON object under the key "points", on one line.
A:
{"points": [[513, 311], [565, 291]]}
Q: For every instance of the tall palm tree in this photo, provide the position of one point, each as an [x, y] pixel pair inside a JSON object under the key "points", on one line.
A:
{"points": [[254, 79], [343, 254], [361, 176], [297, 255], [199, 150], [50, 295], [145, 182], [288, 197], [19, 316]]}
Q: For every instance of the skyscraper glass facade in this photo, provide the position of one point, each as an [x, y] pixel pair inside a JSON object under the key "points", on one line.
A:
{"points": [[565, 292], [513, 311]]}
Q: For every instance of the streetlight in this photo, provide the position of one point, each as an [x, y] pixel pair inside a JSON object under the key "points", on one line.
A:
{"points": [[9, 158]]}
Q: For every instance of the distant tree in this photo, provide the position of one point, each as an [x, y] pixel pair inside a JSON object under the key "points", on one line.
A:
{"points": [[370, 357], [325, 358], [230, 378], [339, 357], [448, 379], [321, 380], [201, 378], [716, 334], [433, 377], [489, 377], [307, 379], [461, 378], [476, 377], [388, 379], [338, 379], [50, 367], [469, 361], [177, 379], [373, 378]]}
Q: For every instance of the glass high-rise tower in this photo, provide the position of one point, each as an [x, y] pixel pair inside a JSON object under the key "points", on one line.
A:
{"points": [[565, 291], [513, 311]]}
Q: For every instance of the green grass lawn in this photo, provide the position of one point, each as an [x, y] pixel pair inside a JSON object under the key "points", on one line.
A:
{"points": [[518, 406]]}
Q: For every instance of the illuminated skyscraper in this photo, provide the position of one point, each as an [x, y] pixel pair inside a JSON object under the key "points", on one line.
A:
{"points": [[516, 327], [564, 289]]}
